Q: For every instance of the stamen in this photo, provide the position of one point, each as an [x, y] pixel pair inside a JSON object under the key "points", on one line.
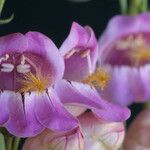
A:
{"points": [[23, 68], [85, 53], [124, 44], [140, 55], [100, 78], [6, 67], [23, 59], [33, 82], [130, 42], [70, 53], [6, 57]]}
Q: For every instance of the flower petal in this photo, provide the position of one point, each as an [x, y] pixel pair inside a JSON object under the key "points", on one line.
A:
{"points": [[5, 97], [13, 42], [54, 116], [77, 38], [84, 95], [76, 68], [22, 121], [42, 45], [101, 135]]}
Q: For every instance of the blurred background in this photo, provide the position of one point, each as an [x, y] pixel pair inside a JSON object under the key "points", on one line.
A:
{"points": [[54, 18]]}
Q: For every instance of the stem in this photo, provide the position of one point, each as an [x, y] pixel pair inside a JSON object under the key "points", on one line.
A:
{"points": [[9, 141], [2, 142], [135, 7], [16, 143], [144, 6], [123, 6]]}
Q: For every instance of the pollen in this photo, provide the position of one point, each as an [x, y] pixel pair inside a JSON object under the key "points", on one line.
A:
{"points": [[140, 55], [31, 82], [100, 78]]}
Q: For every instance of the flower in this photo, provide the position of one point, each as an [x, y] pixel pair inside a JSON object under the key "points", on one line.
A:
{"points": [[28, 70], [80, 52], [124, 51], [97, 134], [138, 134]]}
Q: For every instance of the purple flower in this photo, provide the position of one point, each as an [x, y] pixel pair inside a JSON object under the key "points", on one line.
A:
{"points": [[30, 64], [80, 52], [81, 95], [124, 48]]}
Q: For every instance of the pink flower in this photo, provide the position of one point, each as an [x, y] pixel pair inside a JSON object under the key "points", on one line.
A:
{"points": [[80, 55], [97, 135], [80, 52], [124, 48], [28, 70]]}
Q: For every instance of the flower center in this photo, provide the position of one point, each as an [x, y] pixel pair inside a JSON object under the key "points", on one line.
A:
{"points": [[140, 55], [31, 82], [100, 78], [133, 50], [24, 73]]}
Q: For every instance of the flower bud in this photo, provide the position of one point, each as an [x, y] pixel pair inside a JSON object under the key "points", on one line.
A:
{"points": [[97, 135], [49, 140], [138, 135]]}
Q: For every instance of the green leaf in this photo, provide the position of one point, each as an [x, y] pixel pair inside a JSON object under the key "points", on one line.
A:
{"points": [[4, 21], [2, 142]]}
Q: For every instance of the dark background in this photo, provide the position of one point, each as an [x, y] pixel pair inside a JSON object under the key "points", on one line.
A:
{"points": [[54, 18]]}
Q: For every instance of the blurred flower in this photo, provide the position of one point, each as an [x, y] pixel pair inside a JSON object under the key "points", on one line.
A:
{"points": [[97, 135], [80, 52], [125, 50], [138, 134], [28, 70], [83, 96]]}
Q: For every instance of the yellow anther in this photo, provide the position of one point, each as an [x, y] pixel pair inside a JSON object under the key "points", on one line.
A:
{"points": [[100, 78], [130, 42], [85, 53], [31, 82], [140, 55]]}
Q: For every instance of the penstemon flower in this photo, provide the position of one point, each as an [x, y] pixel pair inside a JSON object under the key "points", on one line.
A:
{"points": [[96, 135], [80, 52], [124, 50], [30, 64]]}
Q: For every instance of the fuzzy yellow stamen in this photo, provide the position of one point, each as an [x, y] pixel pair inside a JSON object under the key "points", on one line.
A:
{"points": [[31, 82], [100, 78], [140, 55]]}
